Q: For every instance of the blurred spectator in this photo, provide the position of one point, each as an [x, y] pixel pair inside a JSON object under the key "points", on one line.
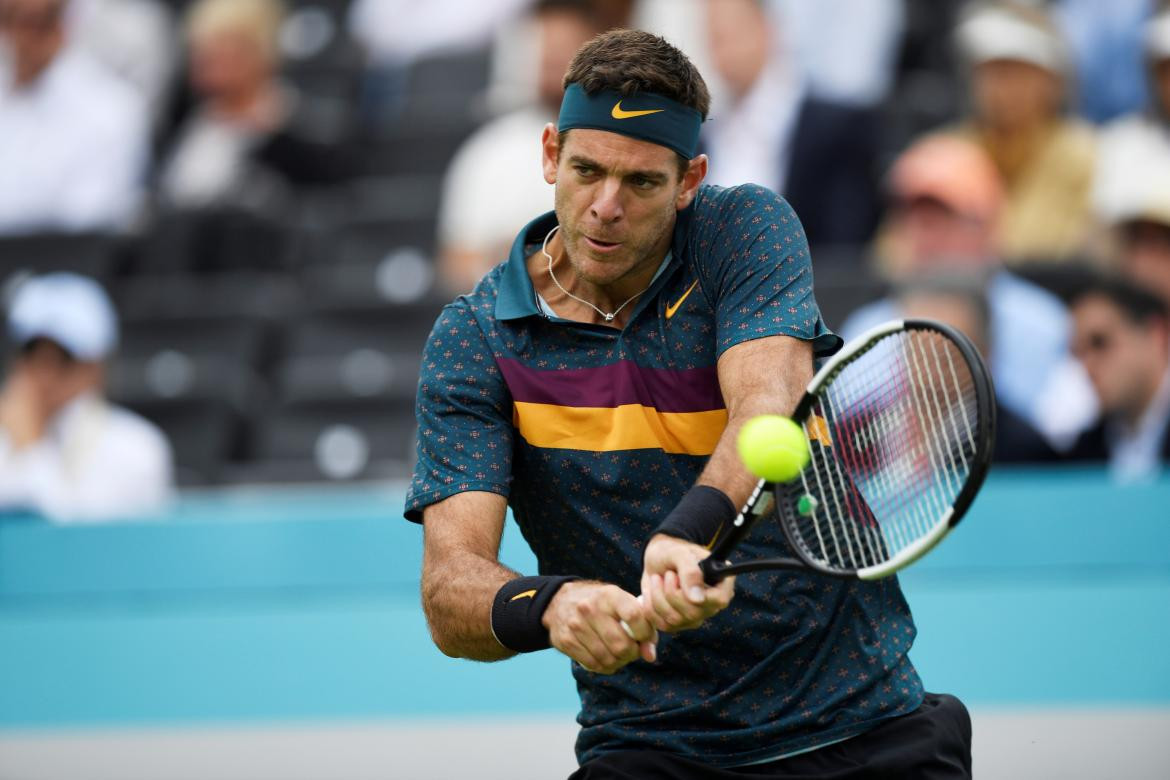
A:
{"points": [[65, 452], [769, 130], [476, 227], [1123, 339], [1019, 71], [1105, 41], [1133, 164], [1143, 237], [240, 145], [846, 62], [395, 33], [959, 301], [134, 38], [73, 137], [946, 199]]}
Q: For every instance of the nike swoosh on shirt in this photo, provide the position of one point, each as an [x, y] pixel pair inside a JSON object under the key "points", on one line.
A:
{"points": [[670, 310], [619, 113]]}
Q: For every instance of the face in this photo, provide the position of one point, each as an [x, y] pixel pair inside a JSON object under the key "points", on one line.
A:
{"points": [[934, 236], [1012, 95], [562, 33], [33, 31], [616, 200], [58, 377], [1146, 256], [225, 63], [739, 37], [1124, 360]]}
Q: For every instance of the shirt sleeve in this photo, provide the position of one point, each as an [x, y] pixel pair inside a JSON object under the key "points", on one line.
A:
{"points": [[464, 414], [758, 271]]}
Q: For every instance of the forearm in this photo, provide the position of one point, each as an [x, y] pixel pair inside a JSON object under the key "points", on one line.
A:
{"points": [[752, 393], [457, 594], [461, 573]]}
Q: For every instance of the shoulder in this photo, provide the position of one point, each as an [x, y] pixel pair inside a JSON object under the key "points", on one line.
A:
{"points": [[109, 103], [742, 209], [136, 437], [1076, 140]]}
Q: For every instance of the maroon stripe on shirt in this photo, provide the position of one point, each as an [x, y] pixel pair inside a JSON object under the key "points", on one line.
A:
{"points": [[618, 384]]}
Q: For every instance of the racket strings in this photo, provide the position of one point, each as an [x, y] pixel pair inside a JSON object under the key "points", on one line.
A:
{"points": [[893, 441]]}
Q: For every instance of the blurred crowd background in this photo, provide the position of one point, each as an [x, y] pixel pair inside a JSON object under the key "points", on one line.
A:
{"points": [[226, 226]]}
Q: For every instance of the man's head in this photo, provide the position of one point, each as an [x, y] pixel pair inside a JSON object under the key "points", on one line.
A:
{"points": [[740, 36], [1121, 336], [564, 26], [1018, 62], [233, 46], [945, 197], [623, 156], [64, 328], [33, 31]]}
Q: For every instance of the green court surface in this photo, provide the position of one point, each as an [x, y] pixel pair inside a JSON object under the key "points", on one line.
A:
{"points": [[301, 605]]}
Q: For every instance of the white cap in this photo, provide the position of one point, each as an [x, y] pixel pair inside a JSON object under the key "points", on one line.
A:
{"points": [[998, 32], [1158, 37], [71, 310]]}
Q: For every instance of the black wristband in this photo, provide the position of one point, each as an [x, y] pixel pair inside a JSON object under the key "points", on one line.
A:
{"points": [[517, 609], [703, 512]]}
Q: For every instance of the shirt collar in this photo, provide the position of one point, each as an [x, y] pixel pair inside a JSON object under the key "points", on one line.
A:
{"points": [[517, 296]]}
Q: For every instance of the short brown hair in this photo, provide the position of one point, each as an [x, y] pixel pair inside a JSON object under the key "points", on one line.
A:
{"points": [[633, 61]]}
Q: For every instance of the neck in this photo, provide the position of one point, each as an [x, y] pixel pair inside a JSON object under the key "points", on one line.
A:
{"points": [[1132, 415], [575, 297]]}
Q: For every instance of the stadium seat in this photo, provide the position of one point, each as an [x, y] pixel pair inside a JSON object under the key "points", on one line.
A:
{"points": [[217, 239], [240, 294], [202, 433], [331, 441], [92, 254], [342, 358]]}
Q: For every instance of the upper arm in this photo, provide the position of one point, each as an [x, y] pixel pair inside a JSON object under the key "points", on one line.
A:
{"points": [[465, 523], [765, 375]]}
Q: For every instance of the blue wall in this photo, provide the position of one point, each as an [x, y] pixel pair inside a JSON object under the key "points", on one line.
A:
{"points": [[302, 604]]}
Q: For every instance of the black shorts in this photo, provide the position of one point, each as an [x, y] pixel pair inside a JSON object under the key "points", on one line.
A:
{"points": [[931, 743]]}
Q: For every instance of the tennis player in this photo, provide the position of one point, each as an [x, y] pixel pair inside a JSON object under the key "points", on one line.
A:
{"points": [[595, 382]]}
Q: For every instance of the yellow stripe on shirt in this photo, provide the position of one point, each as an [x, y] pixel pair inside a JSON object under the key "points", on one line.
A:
{"points": [[627, 427]]}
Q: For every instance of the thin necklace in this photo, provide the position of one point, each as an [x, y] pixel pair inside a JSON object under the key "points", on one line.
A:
{"points": [[607, 315]]}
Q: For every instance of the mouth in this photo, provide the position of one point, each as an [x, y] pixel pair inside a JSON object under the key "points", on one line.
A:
{"points": [[601, 246]]}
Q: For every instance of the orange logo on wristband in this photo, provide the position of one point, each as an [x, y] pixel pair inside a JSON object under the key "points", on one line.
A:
{"points": [[525, 595]]}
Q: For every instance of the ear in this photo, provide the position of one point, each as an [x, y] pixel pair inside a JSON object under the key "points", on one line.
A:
{"points": [[695, 173], [550, 146]]}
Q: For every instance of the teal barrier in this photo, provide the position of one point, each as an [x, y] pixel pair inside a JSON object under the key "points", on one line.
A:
{"points": [[302, 604]]}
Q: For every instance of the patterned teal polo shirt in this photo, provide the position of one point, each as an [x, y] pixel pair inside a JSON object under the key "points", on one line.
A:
{"points": [[594, 434]]}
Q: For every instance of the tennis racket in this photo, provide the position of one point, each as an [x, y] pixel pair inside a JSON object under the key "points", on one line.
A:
{"points": [[900, 426]]}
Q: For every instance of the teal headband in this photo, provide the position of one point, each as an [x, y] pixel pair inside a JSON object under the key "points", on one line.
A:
{"points": [[645, 116]]}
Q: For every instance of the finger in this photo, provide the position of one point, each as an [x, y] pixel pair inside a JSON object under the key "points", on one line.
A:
{"points": [[578, 652], [635, 621], [664, 615], [692, 583], [672, 588]]}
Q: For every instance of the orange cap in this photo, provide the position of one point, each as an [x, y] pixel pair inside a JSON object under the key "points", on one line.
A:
{"points": [[951, 170]]}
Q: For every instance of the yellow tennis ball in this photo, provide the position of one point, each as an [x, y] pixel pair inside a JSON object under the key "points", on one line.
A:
{"points": [[773, 447]]}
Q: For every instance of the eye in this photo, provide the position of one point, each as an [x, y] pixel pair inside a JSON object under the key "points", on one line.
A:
{"points": [[584, 170], [642, 183]]}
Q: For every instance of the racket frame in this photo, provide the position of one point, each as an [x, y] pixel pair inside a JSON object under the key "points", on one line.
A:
{"points": [[716, 566]]}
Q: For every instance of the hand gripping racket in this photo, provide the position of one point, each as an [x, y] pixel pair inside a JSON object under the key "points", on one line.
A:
{"points": [[900, 426]]}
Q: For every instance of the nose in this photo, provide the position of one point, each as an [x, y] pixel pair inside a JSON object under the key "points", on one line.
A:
{"points": [[607, 205]]}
